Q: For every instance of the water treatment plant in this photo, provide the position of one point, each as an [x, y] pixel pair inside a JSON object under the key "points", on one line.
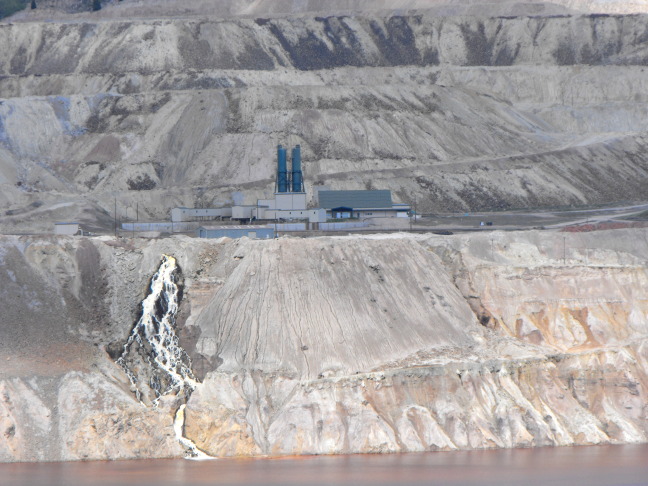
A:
{"points": [[288, 206]]}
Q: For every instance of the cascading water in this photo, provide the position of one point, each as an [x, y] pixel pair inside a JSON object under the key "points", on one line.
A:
{"points": [[152, 358]]}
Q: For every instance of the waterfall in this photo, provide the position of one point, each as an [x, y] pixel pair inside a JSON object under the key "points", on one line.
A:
{"points": [[178, 426], [153, 359]]}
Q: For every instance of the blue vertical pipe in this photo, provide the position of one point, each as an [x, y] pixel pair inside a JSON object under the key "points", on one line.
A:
{"points": [[282, 170], [297, 185]]}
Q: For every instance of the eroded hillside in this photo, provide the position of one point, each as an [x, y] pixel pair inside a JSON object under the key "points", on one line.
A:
{"points": [[330, 345], [441, 108]]}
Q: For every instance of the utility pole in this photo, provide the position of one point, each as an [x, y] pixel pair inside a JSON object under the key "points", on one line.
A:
{"points": [[564, 250], [115, 214], [412, 214], [415, 213]]}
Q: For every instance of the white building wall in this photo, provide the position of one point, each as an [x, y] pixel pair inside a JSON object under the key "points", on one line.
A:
{"points": [[66, 228], [162, 226], [243, 212], [177, 214], [268, 203], [313, 215], [319, 216], [193, 214], [290, 200]]}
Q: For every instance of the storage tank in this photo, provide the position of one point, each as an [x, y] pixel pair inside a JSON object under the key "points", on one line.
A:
{"points": [[297, 184], [282, 170]]}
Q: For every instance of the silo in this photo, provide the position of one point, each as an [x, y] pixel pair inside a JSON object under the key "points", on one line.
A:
{"points": [[282, 170], [297, 183]]}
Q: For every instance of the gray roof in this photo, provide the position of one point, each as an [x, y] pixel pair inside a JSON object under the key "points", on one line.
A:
{"points": [[355, 199]]}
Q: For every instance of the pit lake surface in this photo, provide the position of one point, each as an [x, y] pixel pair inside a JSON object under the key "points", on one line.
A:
{"points": [[573, 466]]}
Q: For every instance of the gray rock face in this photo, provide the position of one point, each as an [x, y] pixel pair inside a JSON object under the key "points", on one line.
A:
{"points": [[320, 43], [443, 108], [330, 345]]}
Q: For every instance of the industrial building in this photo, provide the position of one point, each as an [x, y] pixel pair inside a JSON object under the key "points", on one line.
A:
{"points": [[179, 215], [67, 229], [251, 231], [289, 202], [361, 204]]}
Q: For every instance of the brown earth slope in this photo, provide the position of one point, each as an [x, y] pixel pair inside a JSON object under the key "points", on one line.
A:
{"points": [[330, 345]]}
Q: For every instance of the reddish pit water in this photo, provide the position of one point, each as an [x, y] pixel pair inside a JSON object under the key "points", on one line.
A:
{"points": [[587, 466]]}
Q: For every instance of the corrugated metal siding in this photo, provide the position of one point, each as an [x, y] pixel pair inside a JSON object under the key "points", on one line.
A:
{"points": [[355, 199], [238, 232], [342, 226], [176, 227], [290, 226]]}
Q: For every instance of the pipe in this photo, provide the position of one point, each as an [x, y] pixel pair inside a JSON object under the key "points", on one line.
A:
{"points": [[282, 170], [297, 182]]}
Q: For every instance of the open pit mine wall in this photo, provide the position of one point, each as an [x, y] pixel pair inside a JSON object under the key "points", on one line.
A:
{"points": [[330, 345], [319, 43], [183, 112], [157, 9]]}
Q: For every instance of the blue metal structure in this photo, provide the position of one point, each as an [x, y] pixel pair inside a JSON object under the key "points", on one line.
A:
{"points": [[297, 180], [282, 170]]}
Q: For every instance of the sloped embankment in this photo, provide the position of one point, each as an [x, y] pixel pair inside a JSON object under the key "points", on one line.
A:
{"points": [[438, 108], [329, 345]]}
